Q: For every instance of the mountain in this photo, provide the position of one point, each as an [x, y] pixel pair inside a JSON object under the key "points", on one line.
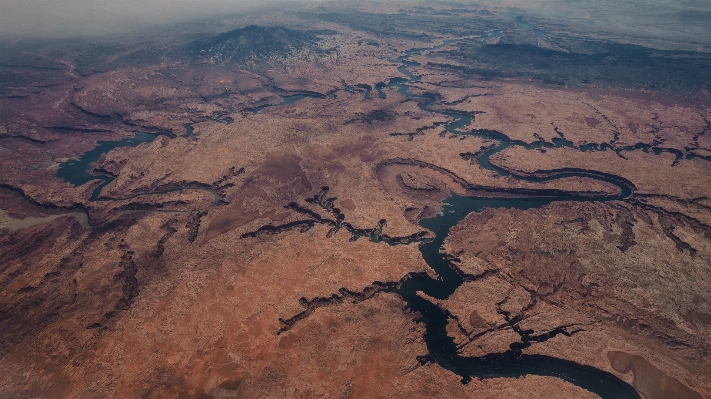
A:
{"points": [[251, 43]]}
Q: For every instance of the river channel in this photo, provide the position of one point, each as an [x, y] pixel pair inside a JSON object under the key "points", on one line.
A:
{"points": [[443, 351], [79, 171]]}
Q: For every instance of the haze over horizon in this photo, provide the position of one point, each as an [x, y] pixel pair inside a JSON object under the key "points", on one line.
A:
{"points": [[65, 18], [673, 22]]}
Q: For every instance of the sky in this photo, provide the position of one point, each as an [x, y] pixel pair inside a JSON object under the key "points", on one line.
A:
{"points": [[62, 18], [670, 19]]}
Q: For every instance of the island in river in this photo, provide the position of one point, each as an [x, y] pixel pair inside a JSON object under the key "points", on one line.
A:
{"points": [[380, 201]]}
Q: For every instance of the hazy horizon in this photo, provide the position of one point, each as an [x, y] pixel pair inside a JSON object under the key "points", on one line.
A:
{"points": [[66, 18], [666, 20]]}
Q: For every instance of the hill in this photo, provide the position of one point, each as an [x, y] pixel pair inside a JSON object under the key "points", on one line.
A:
{"points": [[250, 43]]}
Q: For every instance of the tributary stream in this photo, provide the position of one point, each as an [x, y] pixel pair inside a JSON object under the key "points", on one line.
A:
{"points": [[443, 350]]}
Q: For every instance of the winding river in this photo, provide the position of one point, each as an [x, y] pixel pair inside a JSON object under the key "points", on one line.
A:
{"points": [[79, 171], [512, 363], [443, 351]]}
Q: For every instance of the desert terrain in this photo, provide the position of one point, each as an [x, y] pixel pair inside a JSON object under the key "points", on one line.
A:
{"points": [[382, 201]]}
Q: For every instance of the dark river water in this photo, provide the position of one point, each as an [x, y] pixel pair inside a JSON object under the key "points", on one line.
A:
{"points": [[508, 364], [78, 171], [442, 349], [512, 363]]}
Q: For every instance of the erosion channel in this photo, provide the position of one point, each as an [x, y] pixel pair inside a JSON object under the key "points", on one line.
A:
{"points": [[512, 363], [79, 171], [443, 351]]}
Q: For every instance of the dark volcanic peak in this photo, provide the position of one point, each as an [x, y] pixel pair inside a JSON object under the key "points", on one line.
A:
{"points": [[251, 43]]}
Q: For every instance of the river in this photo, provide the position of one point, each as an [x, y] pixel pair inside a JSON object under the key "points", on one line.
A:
{"points": [[443, 351]]}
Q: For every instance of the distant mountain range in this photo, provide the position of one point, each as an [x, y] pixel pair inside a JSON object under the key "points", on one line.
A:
{"points": [[251, 43]]}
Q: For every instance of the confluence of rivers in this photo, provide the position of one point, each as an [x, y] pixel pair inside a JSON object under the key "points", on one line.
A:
{"points": [[443, 351]]}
